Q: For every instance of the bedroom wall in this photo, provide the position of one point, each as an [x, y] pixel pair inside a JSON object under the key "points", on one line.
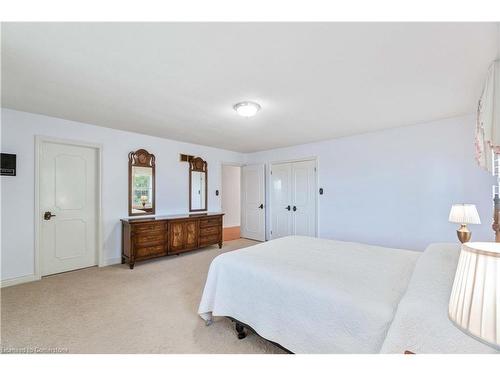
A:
{"points": [[395, 187], [391, 188], [18, 137]]}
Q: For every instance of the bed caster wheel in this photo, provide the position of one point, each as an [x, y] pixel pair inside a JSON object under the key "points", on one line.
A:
{"points": [[241, 331]]}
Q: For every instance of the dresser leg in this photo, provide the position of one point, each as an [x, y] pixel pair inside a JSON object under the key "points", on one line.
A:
{"points": [[131, 265], [220, 245], [123, 260]]}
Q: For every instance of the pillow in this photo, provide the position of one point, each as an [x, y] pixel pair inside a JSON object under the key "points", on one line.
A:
{"points": [[421, 322]]}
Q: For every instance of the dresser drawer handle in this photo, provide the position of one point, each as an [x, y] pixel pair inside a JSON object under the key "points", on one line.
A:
{"points": [[149, 227], [212, 222], [209, 237], [152, 249], [210, 230], [149, 238]]}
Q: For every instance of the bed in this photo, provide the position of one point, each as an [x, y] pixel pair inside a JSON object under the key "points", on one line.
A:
{"points": [[313, 295]]}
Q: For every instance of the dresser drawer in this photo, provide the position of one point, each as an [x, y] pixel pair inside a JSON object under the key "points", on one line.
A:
{"points": [[156, 237], [211, 222], [209, 239], [150, 251], [148, 227], [209, 230]]}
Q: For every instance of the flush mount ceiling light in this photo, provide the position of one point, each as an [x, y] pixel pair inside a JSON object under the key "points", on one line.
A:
{"points": [[247, 109]]}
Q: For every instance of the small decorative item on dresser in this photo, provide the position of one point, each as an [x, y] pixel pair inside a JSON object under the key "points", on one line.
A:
{"points": [[144, 199], [475, 296], [464, 214]]}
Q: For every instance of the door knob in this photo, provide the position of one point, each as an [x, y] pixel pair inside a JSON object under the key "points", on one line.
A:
{"points": [[47, 215], [261, 206], [287, 207], [294, 208]]}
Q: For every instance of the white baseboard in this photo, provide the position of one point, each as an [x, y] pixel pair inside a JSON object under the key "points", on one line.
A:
{"points": [[29, 278], [17, 280], [111, 261]]}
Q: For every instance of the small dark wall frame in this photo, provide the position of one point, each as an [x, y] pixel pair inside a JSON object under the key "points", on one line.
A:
{"points": [[8, 164], [141, 158], [197, 164]]}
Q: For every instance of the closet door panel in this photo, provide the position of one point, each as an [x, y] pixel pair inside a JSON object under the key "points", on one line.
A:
{"points": [[304, 198], [281, 200]]}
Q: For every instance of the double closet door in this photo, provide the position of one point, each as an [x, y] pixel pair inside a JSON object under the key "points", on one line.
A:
{"points": [[293, 199]]}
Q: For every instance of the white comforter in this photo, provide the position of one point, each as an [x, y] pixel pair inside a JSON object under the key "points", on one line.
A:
{"points": [[311, 295]]}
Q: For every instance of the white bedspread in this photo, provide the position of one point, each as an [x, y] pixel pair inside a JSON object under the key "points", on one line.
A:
{"points": [[311, 295], [421, 323]]}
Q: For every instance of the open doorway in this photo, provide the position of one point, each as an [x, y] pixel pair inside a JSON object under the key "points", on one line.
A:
{"points": [[231, 202]]}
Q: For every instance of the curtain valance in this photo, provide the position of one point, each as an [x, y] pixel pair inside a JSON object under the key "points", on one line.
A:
{"points": [[487, 137]]}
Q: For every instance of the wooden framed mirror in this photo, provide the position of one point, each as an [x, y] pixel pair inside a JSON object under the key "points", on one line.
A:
{"points": [[198, 184], [141, 183]]}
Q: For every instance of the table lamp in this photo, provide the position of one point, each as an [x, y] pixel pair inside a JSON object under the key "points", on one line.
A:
{"points": [[475, 297], [464, 214]]}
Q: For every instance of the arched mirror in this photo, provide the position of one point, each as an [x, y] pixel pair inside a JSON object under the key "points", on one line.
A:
{"points": [[197, 184], [141, 183]]}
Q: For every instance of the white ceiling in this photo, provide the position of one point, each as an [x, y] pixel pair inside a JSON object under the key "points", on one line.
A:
{"points": [[180, 80]]}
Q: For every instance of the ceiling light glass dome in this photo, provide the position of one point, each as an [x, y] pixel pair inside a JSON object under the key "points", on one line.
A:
{"points": [[247, 109]]}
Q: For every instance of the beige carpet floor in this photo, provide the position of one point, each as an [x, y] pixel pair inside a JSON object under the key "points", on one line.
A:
{"points": [[151, 309]]}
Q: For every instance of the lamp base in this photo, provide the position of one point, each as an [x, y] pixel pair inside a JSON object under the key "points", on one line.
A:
{"points": [[463, 233]]}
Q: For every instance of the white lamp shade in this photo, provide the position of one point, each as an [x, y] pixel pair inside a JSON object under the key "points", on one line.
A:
{"points": [[464, 214], [475, 297]]}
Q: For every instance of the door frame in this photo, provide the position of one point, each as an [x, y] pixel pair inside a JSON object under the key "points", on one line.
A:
{"points": [[316, 200], [39, 140]]}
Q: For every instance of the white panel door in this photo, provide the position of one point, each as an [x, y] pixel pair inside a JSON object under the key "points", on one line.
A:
{"points": [[304, 198], [68, 207], [281, 200], [253, 224]]}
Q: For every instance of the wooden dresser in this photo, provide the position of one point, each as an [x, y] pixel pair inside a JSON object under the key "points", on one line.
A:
{"points": [[146, 238]]}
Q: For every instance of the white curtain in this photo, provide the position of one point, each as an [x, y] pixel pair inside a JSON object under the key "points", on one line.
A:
{"points": [[487, 139]]}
